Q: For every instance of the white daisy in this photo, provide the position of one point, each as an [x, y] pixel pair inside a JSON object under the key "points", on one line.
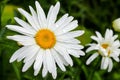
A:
{"points": [[116, 24], [46, 42], [107, 47]]}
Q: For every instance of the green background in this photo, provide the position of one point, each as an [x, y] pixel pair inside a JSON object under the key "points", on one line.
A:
{"points": [[92, 15]]}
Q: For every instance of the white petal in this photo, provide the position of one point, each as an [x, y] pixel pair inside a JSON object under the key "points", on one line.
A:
{"points": [[116, 58], [50, 62], [92, 58], [110, 65], [32, 52], [35, 18], [54, 75], [41, 15], [92, 47], [70, 35], [116, 44], [65, 23], [75, 53], [62, 59], [27, 52], [24, 40], [49, 13], [62, 20], [70, 26], [28, 17], [80, 52], [115, 54], [27, 65], [99, 36], [38, 62], [70, 46], [110, 33], [58, 59], [95, 38], [104, 64], [74, 46], [72, 41], [63, 52], [54, 71], [20, 30], [107, 34], [115, 37], [17, 53], [45, 70], [52, 15], [25, 25]]}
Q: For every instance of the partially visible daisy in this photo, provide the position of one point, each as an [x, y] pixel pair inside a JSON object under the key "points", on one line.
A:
{"points": [[116, 24], [46, 42], [107, 47]]}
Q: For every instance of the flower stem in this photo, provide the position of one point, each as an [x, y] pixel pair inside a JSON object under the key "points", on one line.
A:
{"points": [[91, 76]]}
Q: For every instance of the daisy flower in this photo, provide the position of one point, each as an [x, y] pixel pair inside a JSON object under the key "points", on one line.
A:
{"points": [[46, 42], [116, 24], [107, 47]]}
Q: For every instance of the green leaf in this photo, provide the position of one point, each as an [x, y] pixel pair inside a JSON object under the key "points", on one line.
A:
{"points": [[17, 71], [85, 38], [8, 13]]}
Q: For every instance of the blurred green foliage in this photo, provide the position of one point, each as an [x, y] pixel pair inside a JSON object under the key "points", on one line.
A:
{"points": [[92, 15]]}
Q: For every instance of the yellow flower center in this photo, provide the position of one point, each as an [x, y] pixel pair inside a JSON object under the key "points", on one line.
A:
{"points": [[45, 38], [109, 53], [105, 46]]}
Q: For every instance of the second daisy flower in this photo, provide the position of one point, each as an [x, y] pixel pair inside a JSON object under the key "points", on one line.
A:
{"points": [[107, 47]]}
